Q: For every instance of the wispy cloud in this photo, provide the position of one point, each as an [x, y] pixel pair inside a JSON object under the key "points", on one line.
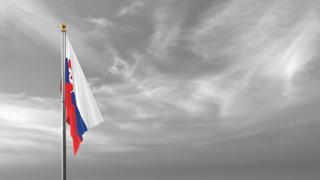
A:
{"points": [[262, 64], [30, 124], [165, 34], [25, 14], [130, 9], [99, 22]]}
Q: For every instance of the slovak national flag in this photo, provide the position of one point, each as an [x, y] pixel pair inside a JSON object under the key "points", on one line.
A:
{"points": [[82, 112]]}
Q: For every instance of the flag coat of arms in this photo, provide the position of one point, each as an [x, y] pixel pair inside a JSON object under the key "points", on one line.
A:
{"points": [[82, 112]]}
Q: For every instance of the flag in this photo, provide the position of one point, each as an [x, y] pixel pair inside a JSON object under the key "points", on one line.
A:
{"points": [[82, 112]]}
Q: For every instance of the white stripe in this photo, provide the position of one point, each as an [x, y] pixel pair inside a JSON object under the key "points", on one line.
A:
{"points": [[85, 101]]}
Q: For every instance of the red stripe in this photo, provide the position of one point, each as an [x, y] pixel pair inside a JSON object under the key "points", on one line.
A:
{"points": [[71, 111], [71, 118]]}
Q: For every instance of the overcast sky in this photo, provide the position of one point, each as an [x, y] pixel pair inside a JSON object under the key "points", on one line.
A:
{"points": [[189, 89]]}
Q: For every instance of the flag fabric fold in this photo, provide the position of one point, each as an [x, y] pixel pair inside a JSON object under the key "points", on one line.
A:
{"points": [[82, 111]]}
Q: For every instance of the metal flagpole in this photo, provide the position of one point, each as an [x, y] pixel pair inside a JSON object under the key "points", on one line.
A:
{"points": [[63, 56]]}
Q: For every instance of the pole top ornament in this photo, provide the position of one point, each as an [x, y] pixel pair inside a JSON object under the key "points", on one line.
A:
{"points": [[63, 27]]}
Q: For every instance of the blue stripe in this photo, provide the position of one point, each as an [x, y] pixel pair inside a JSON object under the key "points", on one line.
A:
{"points": [[66, 71], [81, 126]]}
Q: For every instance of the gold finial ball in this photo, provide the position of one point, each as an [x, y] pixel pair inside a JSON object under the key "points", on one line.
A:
{"points": [[63, 27]]}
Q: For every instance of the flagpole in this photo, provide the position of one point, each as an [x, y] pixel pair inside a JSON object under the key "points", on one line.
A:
{"points": [[63, 56]]}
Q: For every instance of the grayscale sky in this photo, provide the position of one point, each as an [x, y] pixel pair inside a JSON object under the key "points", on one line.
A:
{"points": [[189, 89]]}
